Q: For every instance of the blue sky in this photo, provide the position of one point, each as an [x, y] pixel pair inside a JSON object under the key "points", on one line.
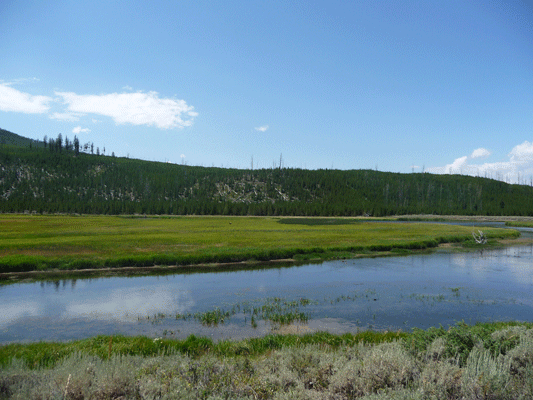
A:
{"points": [[444, 86]]}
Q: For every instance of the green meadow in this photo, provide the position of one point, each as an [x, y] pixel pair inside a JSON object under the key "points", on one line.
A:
{"points": [[67, 242]]}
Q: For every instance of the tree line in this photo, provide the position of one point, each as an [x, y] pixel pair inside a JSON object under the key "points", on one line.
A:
{"points": [[67, 177], [70, 146]]}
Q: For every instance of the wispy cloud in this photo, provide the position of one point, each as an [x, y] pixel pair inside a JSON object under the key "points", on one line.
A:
{"points": [[16, 101], [133, 108], [79, 129], [517, 169], [68, 117], [262, 128]]}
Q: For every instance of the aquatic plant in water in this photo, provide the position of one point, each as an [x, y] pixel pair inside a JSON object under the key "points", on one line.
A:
{"points": [[275, 309]]}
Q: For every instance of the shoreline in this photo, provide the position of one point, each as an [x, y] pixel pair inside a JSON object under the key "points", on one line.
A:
{"points": [[22, 276], [473, 218]]}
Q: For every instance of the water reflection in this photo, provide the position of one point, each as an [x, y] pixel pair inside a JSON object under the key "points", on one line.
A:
{"points": [[130, 304], [13, 311], [60, 284], [379, 293], [514, 263]]}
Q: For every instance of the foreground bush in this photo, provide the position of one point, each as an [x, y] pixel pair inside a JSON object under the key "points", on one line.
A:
{"points": [[499, 365]]}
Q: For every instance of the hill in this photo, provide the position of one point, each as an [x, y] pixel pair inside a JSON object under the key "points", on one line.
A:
{"points": [[53, 177], [12, 139]]}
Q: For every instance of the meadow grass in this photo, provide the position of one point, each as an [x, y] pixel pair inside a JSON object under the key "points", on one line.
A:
{"points": [[482, 361], [35, 242], [518, 224]]}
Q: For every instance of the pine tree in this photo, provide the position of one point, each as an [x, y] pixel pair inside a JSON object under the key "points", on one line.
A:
{"points": [[59, 143], [76, 146]]}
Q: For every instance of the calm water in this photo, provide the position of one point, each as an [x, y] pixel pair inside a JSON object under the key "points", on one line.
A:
{"points": [[379, 293]]}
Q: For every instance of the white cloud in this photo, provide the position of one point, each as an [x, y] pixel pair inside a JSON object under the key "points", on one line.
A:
{"points": [[17, 101], [262, 128], [79, 129], [480, 153], [457, 166], [522, 153], [133, 108], [124, 108], [518, 169], [69, 117]]}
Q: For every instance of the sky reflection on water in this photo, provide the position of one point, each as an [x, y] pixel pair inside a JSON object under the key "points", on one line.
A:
{"points": [[377, 293]]}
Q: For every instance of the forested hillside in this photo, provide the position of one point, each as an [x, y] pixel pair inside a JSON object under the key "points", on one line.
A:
{"points": [[12, 139], [60, 177]]}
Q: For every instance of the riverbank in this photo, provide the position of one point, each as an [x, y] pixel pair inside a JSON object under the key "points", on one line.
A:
{"points": [[462, 362], [14, 277], [464, 218]]}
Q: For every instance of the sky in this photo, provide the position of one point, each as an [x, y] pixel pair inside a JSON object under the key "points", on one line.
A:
{"points": [[440, 86]]}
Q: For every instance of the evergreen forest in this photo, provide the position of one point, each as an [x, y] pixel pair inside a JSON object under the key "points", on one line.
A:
{"points": [[58, 175]]}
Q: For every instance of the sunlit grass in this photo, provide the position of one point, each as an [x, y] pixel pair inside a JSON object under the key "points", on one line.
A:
{"points": [[73, 242], [523, 224]]}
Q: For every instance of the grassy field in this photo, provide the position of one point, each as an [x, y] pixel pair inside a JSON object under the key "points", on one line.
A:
{"points": [[525, 224], [42, 243], [483, 361]]}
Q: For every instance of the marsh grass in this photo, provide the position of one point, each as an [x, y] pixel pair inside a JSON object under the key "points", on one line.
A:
{"points": [[40, 243], [279, 312], [275, 310], [497, 364]]}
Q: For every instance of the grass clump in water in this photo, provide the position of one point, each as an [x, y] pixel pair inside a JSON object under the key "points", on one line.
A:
{"points": [[214, 317], [275, 309]]}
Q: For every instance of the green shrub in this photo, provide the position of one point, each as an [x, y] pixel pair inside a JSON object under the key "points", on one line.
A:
{"points": [[314, 366], [485, 377], [387, 365]]}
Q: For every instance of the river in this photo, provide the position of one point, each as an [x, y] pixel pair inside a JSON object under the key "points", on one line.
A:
{"points": [[387, 293]]}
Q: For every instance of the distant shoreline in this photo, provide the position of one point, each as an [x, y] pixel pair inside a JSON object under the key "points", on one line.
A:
{"points": [[474, 218]]}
